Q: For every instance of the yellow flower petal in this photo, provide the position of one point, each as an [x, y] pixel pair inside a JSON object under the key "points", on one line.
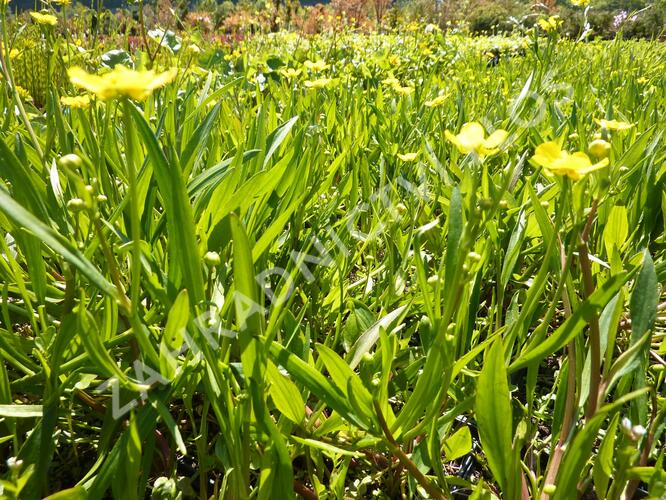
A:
{"points": [[320, 83], [408, 157], [121, 82], [471, 137], [613, 124], [556, 161], [77, 102], [436, 102], [547, 153], [496, 139], [45, 19]]}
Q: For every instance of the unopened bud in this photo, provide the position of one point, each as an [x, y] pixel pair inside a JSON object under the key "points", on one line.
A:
{"points": [[599, 148], [212, 259], [70, 161], [76, 205]]}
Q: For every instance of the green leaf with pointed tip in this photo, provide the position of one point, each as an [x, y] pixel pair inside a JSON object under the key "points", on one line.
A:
{"points": [[493, 414], [285, 394], [574, 324], [21, 217]]}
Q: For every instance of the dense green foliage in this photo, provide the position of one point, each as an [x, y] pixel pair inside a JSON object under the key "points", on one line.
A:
{"points": [[279, 274]]}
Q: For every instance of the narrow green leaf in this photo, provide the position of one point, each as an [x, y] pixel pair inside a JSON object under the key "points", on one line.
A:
{"points": [[21, 411], [21, 217], [574, 324], [493, 414], [285, 394]]}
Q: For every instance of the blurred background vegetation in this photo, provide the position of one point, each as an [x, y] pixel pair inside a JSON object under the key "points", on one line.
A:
{"points": [[635, 18]]}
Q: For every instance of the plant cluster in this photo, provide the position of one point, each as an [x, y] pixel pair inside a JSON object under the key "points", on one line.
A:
{"points": [[404, 264]]}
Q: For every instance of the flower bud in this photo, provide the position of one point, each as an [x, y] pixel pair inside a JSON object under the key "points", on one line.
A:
{"points": [[474, 257], [549, 489], [212, 259], [70, 161], [485, 203], [14, 464], [599, 148], [76, 205]]}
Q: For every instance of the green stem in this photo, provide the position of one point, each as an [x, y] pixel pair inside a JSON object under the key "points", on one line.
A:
{"points": [[595, 337], [135, 222], [432, 490], [135, 228]]}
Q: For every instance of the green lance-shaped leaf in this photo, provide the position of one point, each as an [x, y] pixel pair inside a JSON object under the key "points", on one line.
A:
{"points": [[574, 324], [643, 310], [285, 394], [493, 414]]}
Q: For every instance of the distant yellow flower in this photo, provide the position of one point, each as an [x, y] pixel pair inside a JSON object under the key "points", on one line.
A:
{"points": [[550, 156], [580, 3], [193, 48], [613, 124], [14, 53], [550, 24], [23, 93], [233, 56], [76, 102], [425, 51], [319, 65], [642, 80], [472, 138], [290, 73], [408, 157], [121, 82], [436, 102], [599, 148], [45, 19], [391, 81], [320, 83], [405, 91], [61, 2]]}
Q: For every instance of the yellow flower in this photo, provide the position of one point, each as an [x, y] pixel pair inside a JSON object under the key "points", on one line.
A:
{"points": [[233, 56], [14, 53], [550, 24], [472, 139], [45, 19], [23, 93], [642, 80], [580, 3], [391, 81], [403, 90], [613, 124], [121, 82], [194, 48], [76, 102], [436, 102], [61, 2], [320, 83], [599, 148], [550, 156], [290, 73], [408, 157], [319, 65]]}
